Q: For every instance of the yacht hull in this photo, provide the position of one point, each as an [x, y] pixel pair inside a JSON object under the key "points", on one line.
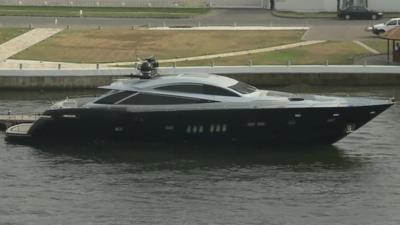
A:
{"points": [[268, 126]]}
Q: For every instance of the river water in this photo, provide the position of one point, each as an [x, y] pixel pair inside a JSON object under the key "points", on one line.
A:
{"points": [[355, 181]]}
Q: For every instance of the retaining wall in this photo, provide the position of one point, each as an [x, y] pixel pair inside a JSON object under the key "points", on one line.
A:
{"points": [[256, 75]]}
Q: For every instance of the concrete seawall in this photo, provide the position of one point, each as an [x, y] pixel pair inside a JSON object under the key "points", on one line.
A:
{"points": [[256, 75]]}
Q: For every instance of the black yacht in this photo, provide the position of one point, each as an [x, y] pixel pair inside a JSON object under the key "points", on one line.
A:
{"points": [[203, 108]]}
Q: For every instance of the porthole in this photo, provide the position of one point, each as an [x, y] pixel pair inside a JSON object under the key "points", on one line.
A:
{"points": [[201, 129], [224, 128], [260, 124], [331, 120], [169, 127], [251, 124], [118, 129], [212, 129], [217, 128]]}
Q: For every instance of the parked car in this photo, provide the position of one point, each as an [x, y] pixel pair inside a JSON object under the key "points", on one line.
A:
{"points": [[359, 12], [384, 27]]}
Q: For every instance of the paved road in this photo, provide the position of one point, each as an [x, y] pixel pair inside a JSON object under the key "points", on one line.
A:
{"points": [[25, 41], [322, 29], [242, 17]]}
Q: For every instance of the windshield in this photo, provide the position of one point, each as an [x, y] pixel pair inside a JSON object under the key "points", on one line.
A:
{"points": [[243, 88], [390, 22]]}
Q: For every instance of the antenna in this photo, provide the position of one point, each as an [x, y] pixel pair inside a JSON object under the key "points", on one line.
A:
{"points": [[148, 68]]}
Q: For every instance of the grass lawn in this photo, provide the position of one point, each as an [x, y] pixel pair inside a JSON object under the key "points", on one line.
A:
{"points": [[119, 12], [335, 52], [377, 44], [7, 34], [122, 45]]}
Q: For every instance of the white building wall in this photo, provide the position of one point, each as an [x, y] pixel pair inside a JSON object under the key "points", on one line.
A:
{"points": [[385, 5], [330, 5], [306, 5]]}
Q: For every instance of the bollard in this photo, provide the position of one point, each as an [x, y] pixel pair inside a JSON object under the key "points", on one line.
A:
{"points": [[234, 24], [97, 66], [20, 66], [99, 27], [212, 64], [55, 21], [68, 27], [59, 66], [199, 24], [132, 27], [289, 62], [250, 63], [174, 64], [327, 63]]}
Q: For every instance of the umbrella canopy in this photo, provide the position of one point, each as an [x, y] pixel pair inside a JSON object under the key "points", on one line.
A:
{"points": [[393, 34]]}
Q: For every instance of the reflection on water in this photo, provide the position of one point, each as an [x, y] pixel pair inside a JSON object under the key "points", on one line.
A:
{"points": [[356, 181], [205, 156]]}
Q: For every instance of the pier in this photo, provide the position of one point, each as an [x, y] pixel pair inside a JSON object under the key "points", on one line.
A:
{"points": [[7, 121]]}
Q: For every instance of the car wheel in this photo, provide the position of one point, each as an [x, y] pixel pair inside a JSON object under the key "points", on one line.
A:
{"points": [[374, 17], [347, 17]]}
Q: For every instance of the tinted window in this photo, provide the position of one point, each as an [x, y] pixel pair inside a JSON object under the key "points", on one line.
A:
{"points": [[113, 98], [243, 88], [151, 99], [212, 90], [394, 22], [187, 88], [199, 89]]}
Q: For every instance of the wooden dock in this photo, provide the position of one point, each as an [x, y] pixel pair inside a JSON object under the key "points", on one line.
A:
{"points": [[7, 121]]}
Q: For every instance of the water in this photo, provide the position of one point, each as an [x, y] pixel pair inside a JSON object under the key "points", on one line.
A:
{"points": [[356, 181]]}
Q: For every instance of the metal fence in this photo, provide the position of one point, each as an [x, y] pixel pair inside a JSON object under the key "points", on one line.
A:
{"points": [[109, 3], [142, 3]]}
